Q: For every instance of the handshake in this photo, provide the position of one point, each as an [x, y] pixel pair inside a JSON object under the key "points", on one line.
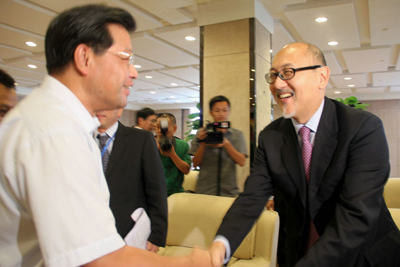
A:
{"points": [[213, 257]]}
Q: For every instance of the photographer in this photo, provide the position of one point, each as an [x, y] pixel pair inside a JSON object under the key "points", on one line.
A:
{"points": [[217, 161], [174, 153]]}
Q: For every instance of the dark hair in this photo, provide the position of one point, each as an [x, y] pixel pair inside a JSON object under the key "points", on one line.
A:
{"points": [[82, 25], [144, 113], [168, 115], [218, 98], [7, 80]]}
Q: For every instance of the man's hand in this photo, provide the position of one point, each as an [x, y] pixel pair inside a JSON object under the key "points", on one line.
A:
{"points": [[202, 133], [168, 153], [217, 251], [200, 258], [224, 143], [270, 205], [151, 247]]}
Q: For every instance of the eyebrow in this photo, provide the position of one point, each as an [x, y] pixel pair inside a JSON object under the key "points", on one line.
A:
{"points": [[284, 66]]}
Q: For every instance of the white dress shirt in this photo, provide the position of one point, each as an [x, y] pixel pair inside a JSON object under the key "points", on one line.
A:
{"points": [[53, 194]]}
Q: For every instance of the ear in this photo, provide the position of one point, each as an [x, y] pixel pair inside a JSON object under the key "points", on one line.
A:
{"points": [[82, 54], [175, 127], [324, 77], [140, 121], [120, 110]]}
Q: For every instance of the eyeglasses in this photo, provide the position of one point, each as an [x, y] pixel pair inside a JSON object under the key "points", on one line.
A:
{"points": [[287, 73], [125, 56]]}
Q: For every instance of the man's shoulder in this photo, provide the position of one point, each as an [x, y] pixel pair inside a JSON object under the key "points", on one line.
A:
{"points": [[134, 131]]}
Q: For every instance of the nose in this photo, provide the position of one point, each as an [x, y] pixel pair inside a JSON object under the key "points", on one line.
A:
{"points": [[279, 83], [133, 74]]}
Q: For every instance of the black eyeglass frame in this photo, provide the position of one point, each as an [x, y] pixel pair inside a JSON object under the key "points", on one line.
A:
{"points": [[278, 74]]}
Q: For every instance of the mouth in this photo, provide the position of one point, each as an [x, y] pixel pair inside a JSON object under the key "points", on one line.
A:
{"points": [[285, 95]]}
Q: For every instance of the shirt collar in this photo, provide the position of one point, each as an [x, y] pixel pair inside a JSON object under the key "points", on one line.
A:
{"points": [[311, 123], [110, 131], [55, 87]]}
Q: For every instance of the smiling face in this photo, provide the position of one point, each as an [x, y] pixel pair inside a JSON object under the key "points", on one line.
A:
{"points": [[301, 96], [112, 75]]}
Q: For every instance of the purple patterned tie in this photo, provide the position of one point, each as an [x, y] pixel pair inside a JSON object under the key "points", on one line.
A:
{"points": [[103, 141], [306, 153]]}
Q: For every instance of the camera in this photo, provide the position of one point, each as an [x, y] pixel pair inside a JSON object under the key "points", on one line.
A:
{"points": [[165, 142], [213, 135]]}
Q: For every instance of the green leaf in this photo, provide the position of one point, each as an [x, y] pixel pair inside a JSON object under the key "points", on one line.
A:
{"points": [[193, 115], [340, 100], [352, 100]]}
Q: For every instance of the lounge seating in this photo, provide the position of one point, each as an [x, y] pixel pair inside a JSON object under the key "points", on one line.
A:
{"points": [[391, 193], [190, 181], [193, 220]]}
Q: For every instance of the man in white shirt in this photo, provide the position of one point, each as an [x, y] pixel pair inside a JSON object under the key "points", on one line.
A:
{"points": [[53, 193]]}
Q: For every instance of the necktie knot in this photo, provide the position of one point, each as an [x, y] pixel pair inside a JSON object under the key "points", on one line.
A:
{"points": [[103, 139]]}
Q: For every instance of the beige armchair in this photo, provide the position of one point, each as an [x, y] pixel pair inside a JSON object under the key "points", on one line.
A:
{"points": [[190, 181], [391, 194], [193, 220]]}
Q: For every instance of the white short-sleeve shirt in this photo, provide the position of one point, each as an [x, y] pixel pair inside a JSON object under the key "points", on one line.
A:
{"points": [[53, 195]]}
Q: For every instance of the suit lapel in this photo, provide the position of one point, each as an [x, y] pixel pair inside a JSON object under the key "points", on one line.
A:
{"points": [[119, 145], [291, 158], [324, 147]]}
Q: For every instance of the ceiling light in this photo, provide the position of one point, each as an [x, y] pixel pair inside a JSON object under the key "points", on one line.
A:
{"points": [[333, 43], [321, 19], [251, 79], [347, 78], [137, 66], [351, 85], [174, 84], [31, 44], [32, 66], [337, 92], [178, 101], [253, 70], [148, 77], [171, 96], [271, 50], [190, 38], [153, 93]]}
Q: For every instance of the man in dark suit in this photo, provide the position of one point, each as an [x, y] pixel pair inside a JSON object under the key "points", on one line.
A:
{"points": [[135, 177], [330, 180]]}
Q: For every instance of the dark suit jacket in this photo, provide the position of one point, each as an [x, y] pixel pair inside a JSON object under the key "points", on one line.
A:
{"points": [[136, 179], [350, 166]]}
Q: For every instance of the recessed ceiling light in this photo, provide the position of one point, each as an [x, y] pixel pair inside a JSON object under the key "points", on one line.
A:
{"points": [[148, 77], [178, 101], [253, 70], [251, 79], [32, 66], [190, 38], [321, 19], [333, 43], [171, 96], [347, 78], [174, 84], [337, 92], [153, 93], [351, 85], [31, 44], [137, 66], [271, 50]]}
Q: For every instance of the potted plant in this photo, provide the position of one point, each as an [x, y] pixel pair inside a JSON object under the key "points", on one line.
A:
{"points": [[352, 101]]}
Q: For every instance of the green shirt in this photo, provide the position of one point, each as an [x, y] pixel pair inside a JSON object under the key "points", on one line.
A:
{"points": [[172, 174]]}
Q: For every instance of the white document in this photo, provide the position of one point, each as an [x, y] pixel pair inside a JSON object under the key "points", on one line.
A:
{"points": [[138, 236]]}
